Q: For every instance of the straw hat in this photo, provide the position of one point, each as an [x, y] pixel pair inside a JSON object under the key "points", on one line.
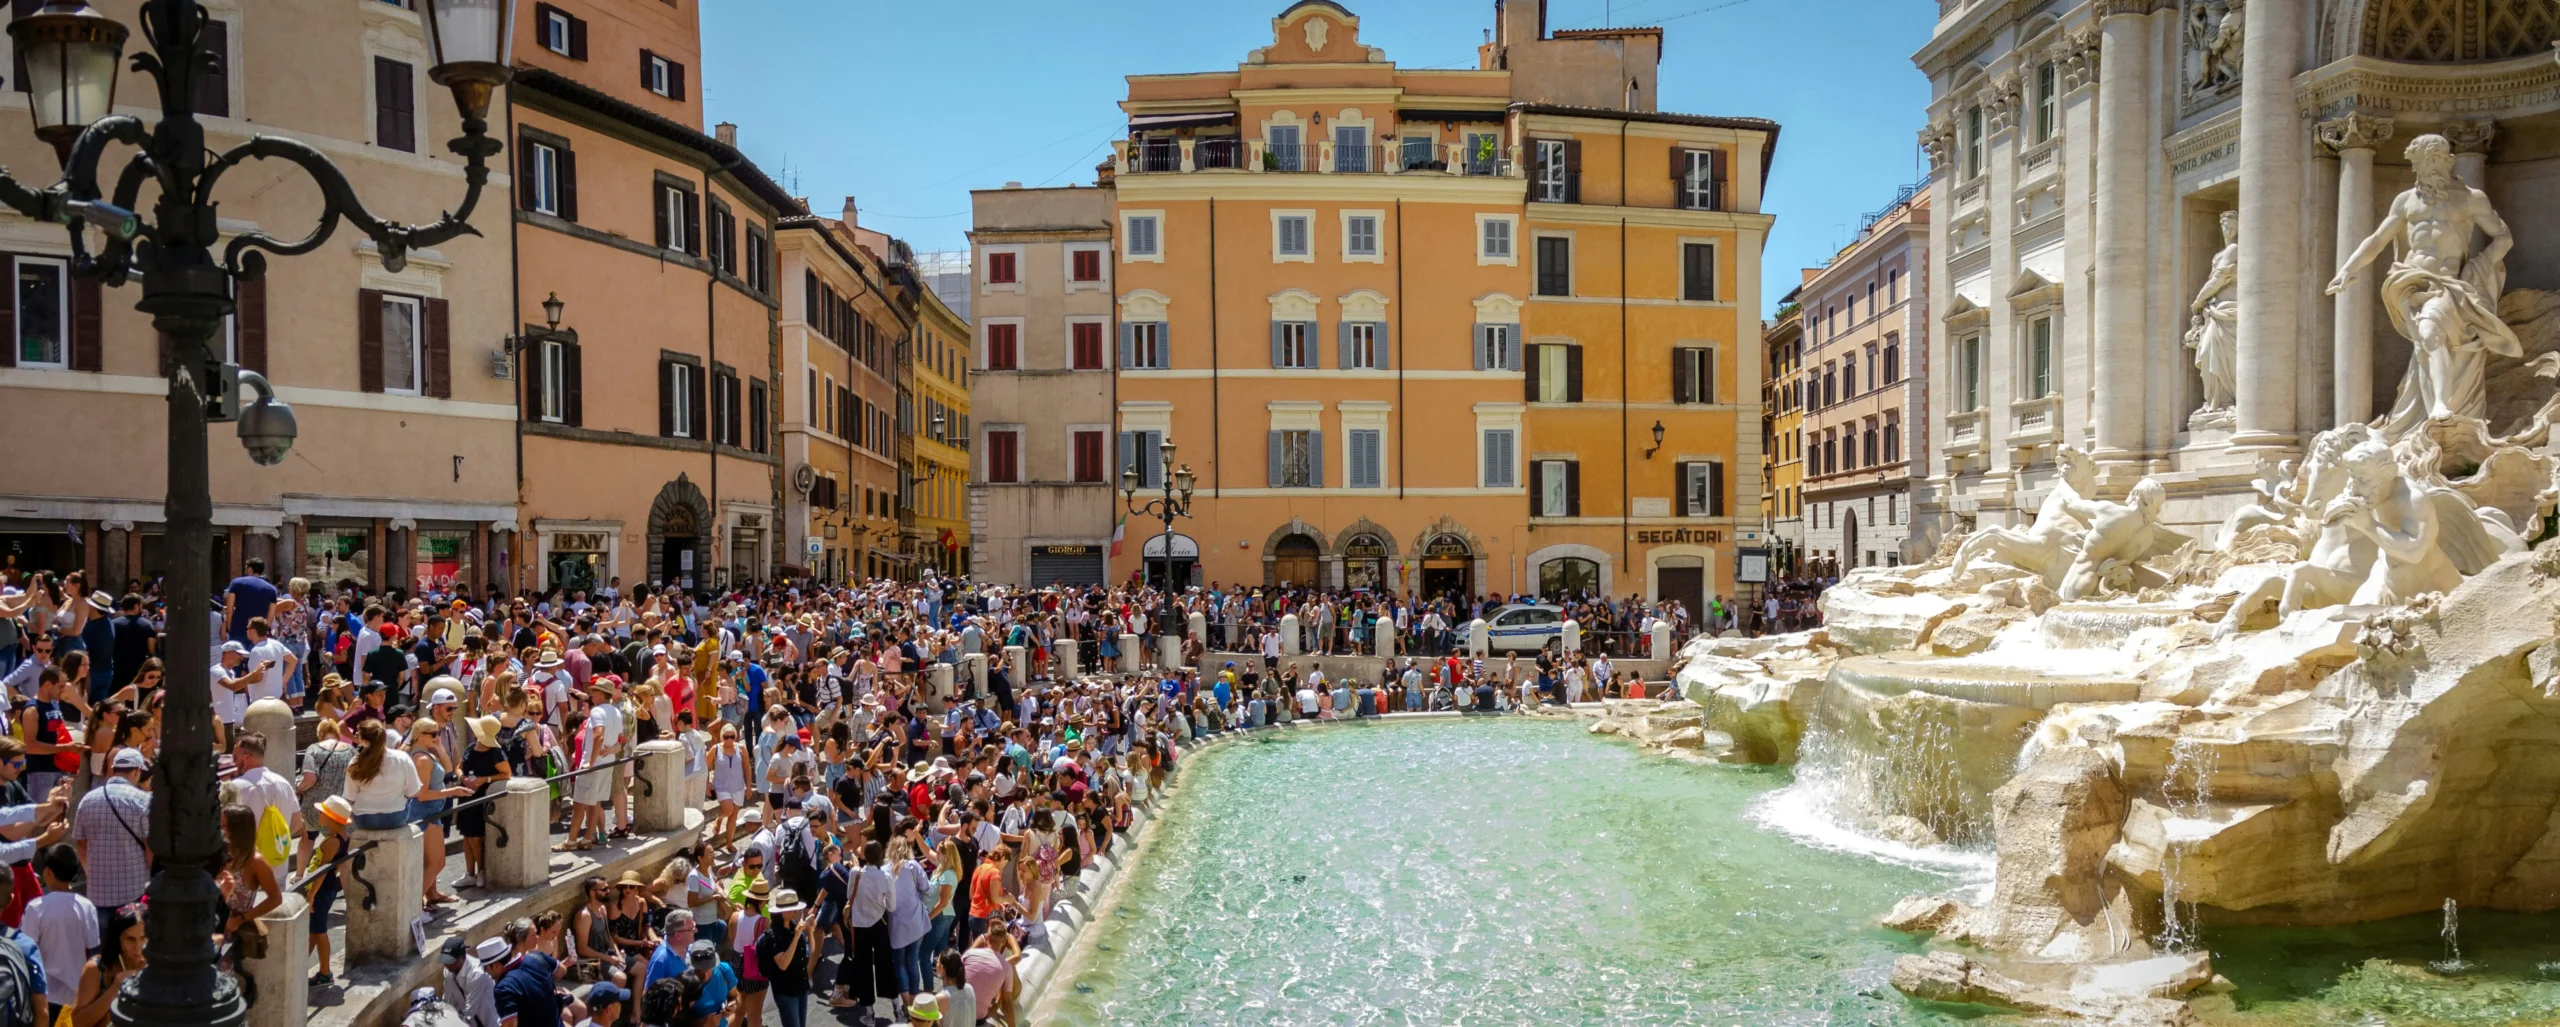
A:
{"points": [[785, 901], [550, 658], [336, 810], [760, 891], [484, 728], [928, 1008], [631, 879]]}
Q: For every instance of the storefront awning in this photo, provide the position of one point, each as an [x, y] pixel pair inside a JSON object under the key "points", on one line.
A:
{"points": [[1196, 119]]}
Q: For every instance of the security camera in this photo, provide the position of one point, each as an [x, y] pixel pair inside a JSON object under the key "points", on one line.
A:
{"points": [[267, 427]]}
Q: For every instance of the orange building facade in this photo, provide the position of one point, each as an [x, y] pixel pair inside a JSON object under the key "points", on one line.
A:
{"points": [[1328, 298]]}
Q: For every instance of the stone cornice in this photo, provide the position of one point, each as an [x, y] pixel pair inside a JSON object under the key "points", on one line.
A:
{"points": [[2501, 89]]}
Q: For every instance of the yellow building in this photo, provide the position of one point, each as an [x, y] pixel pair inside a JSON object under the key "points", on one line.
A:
{"points": [[1782, 443], [938, 488], [1329, 298]]}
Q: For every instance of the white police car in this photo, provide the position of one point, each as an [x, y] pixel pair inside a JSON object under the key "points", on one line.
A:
{"points": [[1524, 627]]}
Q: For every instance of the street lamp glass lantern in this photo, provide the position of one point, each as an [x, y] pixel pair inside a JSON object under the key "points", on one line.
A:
{"points": [[473, 42], [551, 308], [71, 53], [1182, 481]]}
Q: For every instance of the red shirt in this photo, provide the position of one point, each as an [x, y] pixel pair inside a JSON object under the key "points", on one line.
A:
{"points": [[986, 888]]}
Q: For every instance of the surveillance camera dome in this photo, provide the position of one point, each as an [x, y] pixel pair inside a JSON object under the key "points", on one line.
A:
{"points": [[267, 431]]}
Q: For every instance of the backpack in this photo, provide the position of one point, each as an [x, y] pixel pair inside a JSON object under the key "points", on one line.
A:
{"points": [[275, 837], [19, 983], [795, 869]]}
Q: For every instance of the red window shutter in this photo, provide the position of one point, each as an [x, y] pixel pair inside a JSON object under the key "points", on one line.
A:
{"points": [[1088, 345], [369, 340], [1002, 341], [9, 308], [1088, 265], [88, 334], [251, 320], [439, 349], [1000, 269]]}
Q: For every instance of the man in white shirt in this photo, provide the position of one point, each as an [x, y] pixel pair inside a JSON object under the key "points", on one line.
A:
{"points": [[262, 789], [367, 641], [265, 648], [601, 742]]}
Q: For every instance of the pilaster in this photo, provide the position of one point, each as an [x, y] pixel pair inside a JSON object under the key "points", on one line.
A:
{"points": [[2272, 243]]}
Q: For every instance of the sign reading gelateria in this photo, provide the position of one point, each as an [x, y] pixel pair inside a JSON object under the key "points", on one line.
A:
{"points": [[1676, 536]]}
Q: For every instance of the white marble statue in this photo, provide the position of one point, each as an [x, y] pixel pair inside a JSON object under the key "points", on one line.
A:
{"points": [[2044, 547], [2215, 331], [2339, 559], [2121, 536], [2440, 295], [2214, 35], [2427, 538]]}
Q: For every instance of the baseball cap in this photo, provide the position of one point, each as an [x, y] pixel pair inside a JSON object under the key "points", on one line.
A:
{"points": [[702, 952], [130, 759], [234, 647], [605, 993], [443, 696], [454, 949]]}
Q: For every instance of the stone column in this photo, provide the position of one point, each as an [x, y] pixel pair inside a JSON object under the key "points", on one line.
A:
{"points": [[1479, 638], [657, 799], [2272, 242], [1662, 642], [1197, 626], [1067, 658], [1169, 652], [520, 835], [1017, 665], [939, 674], [274, 719], [1291, 641], [1386, 632], [1133, 654], [2471, 142], [390, 877], [2353, 138], [2123, 229], [284, 977]]}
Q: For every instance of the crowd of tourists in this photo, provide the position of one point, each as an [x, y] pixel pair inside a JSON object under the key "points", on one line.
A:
{"points": [[882, 832]]}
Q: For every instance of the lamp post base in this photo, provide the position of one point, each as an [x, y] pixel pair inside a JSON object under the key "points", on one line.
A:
{"points": [[180, 986]]}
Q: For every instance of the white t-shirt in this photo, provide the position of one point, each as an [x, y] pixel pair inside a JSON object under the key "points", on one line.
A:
{"points": [[389, 791], [262, 787], [65, 927], [272, 685], [604, 733], [229, 706], [1307, 701]]}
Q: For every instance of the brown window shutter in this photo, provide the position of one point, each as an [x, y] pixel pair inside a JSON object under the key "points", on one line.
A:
{"points": [[251, 320], [1537, 488], [1680, 486], [524, 164], [1529, 363], [675, 80], [1573, 488], [1573, 171], [1679, 164], [645, 84], [1573, 373], [9, 312], [577, 38], [701, 404], [666, 398], [1716, 178], [692, 224], [530, 359], [658, 206], [1715, 489], [1680, 376], [88, 334], [573, 380], [439, 349], [213, 92], [568, 184], [369, 339]]}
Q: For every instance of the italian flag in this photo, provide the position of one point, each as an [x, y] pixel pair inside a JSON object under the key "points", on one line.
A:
{"points": [[1117, 531]]}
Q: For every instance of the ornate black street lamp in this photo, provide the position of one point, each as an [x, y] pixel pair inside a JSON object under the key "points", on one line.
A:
{"points": [[1176, 503], [71, 52]]}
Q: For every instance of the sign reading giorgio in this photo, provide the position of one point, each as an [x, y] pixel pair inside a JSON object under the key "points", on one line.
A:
{"points": [[1676, 536]]}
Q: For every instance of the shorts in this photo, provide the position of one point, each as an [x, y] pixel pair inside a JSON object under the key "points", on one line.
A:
{"points": [[472, 822], [754, 987], [323, 900], [592, 789]]}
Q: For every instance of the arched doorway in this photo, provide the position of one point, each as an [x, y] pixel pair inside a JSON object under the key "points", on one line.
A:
{"points": [[1364, 562], [1448, 567], [1294, 562], [1849, 539], [680, 534]]}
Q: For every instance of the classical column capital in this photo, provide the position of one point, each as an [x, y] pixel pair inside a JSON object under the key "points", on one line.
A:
{"points": [[1938, 140], [2000, 102], [2354, 132], [115, 525], [2076, 56], [2471, 136], [402, 524]]}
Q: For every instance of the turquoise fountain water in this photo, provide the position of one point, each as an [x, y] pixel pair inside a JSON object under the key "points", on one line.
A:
{"points": [[1488, 872]]}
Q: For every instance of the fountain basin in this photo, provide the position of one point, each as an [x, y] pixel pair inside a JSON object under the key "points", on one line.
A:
{"points": [[2091, 677]]}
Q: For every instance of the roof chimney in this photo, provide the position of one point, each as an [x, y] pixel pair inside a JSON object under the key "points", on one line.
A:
{"points": [[1013, 185], [849, 216], [726, 132]]}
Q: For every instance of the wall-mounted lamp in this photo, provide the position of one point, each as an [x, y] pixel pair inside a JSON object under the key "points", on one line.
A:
{"points": [[1657, 441]]}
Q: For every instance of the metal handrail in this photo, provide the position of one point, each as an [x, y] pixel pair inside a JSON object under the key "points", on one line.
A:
{"points": [[323, 869]]}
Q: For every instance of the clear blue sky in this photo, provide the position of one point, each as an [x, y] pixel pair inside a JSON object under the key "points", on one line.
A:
{"points": [[908, 106]]}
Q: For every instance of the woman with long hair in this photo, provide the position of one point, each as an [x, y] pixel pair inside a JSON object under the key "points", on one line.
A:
{"points": [[728, 785], [378, 787], [249, 890], [484, 765], [118, 958], [944, 908], [427, 808], [291, 620]]}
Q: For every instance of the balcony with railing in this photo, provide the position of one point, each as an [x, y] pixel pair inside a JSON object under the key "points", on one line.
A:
{"points": [[1418, 156]]}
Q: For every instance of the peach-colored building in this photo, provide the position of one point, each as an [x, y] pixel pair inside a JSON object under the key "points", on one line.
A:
{"points": [[650, 452], [839, 334], [404, 472], [1866, 338]]}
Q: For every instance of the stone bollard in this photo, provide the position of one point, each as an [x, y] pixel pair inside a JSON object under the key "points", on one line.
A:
{"points": [[274, 719], [658, 793], [977, 675], [284, 977], [1291, 642], [1132, 654], [1197, 626], [940, 676], [1169, 652], [1662, 642], [1017, 666], [1067, 657], [1385, 629], [389, 878], [520, 835], [1572, 638], [1479, 639]]}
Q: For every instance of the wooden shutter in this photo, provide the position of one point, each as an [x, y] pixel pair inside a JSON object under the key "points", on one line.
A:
{"points": [[524, 163], [1573, 488], [645, 60], [701, 395], [530, 359], [1573, 171], [1715, 488], [251, 319], [692, 223], [1537, 482], [9, 315], [1128, 342], [1529, 394], [1276, 327], [658, 207], [675, 80], [1680, 486], [394, 106], [1680, 376], [1573, 374], [1679, 175], [1706, 374], [1483, 336], [577, 38], [666, 398], [1315, 458], [573, 380], [213, 91], [369, 339], [1378, 346], [88, 334], [1342, 344], [567, 169], [439, 316], [1715, 179], [1279, 453]]}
